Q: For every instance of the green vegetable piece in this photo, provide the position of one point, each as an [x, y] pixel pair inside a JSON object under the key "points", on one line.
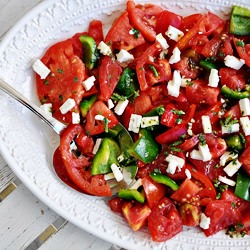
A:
{"points": [[234, 94], [131, 194], [208, 64], [145, 148], [240, 21], [128, 82], [234, 143], [105, 157], [156, 111], [90, 53], [242, 189], [163, 179], [86, 104]]}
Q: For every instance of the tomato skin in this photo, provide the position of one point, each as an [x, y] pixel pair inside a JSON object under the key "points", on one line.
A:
{"points": [[135, 214], [85, 143], [164, 222], [222, 214], [116, 204], [243, 51], [216, 145], [75, 167], [234, 79], [109, 75], [95, 30], [190, 214], [169, 118], [94, 127], [245, 160], [200, 93], [141, 18], [153, 191], [119, 37], [142, 104]]}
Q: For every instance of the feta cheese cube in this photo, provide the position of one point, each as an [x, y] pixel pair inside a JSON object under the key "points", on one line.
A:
{"points": [[109, 176], [89, 83], [176, 56], [110, 104], [231, 128], [97, 145], [117, 172], [162, 41], [136, 184], [206, 124], [75, 118], [121, 106], [185, 81], [47, 108], [245, 124], [41, 69], [174, 33], [232, 167], [149, 121], [124, 56], [227, 156], [67, 106], [104, 48], [204, 221], [188, 174], [196, 155], [245, 106], [233, 62], [173, 163], [214, 78], [135, 123], [99, 117], [227, 181], [173, 86], [205, 152]]}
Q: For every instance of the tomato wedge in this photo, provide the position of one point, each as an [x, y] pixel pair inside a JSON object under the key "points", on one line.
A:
{"points": [[78, 167]]}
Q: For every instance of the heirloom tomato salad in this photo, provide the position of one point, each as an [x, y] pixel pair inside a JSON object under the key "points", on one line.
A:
{"points": [[161, 99]]}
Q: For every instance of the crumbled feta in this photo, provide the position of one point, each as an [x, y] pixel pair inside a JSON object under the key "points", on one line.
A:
{"points": [[206, 124], [121, 106], [124, 56], [104, 48], [176, 56], [204, 221], [67, 106], [109, 176], [185, 81], [190, 129], [231, 128], [163, 54], [135, 123], [188, 174], [47, 108], [233, 62], [174, 33], [227, 156], [136, 184], [41, 69], [214, 78], [173, 86], [99, 117], [174, 162], [75, 118], [149, 121], [244, 106], [245, 124], [117, 172], [232, 167], [89, 83], [110, 104], [162, 41], [97, 145], [72, 146], [227, 181], [205, 152], [196, 155]]}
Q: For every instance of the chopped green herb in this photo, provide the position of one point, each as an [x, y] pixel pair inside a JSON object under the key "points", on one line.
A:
{"points": [[136, 33], [75, 79], [154, 70], [106, 123], [60, 71], [202, 139], [46, 82], [117, 97], [61, 97], [240, 43]]}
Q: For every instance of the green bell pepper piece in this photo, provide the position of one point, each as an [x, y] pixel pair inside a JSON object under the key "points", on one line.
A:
{"points": [[145, 148], [156, 111], [234, 143], [163, 179], [131, 194], [86, 104], [240, 21], [90, 52], [105, 157], [208, 64], [234, 94], [128, 82], [242, 189]]}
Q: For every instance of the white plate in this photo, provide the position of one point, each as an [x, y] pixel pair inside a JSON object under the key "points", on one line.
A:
{"points": [[27, 144]]}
